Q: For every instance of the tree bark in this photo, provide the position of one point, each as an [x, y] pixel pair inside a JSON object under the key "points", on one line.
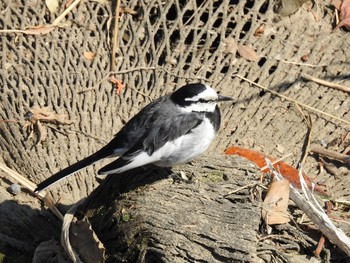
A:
{"points": [[150, 215]]}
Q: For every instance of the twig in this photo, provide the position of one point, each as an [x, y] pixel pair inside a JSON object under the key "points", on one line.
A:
{"points": [[329, 167], [322, 240], [336, 16], [7, 121], [194, 13], [308, 121], [65, 12], [277, 161], [113, 73], [106, 77], [183, 77], [240, 189], [325, 83], [76, 131], [65, 233], [31, 187], [292, 100], [332, 154], [115, 35], [37, 30], [302, 64]]}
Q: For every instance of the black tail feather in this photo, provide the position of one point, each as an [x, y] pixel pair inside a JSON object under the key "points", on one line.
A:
{"points": [[73, 168]]}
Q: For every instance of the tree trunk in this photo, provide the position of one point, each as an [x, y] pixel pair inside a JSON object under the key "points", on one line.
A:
{"points": [[151, 215]]}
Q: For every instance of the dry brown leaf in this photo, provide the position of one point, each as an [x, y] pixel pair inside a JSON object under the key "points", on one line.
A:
{"points": [[89, 55], [85, 241], [37, 30], [231, 46], [37, 116], [52, 5], [276, 203], [305, 57], [118, 83], [336, 3], [247, 53], [344, 9], [68, 3], [128, 10], [259, 31], [45, 114], [41, 131]]}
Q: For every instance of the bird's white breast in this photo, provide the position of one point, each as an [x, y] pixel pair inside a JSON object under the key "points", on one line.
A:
{"points": [[186, 147], [181, 150]]}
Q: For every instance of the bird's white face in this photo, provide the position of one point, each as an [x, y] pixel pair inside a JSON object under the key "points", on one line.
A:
{"points": [[203, 102]]}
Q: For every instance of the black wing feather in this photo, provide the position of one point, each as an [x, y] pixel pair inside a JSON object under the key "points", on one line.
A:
{"points": [[159, 132]]}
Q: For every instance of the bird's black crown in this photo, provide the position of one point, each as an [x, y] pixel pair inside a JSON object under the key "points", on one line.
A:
{"points": [[188, 91]]}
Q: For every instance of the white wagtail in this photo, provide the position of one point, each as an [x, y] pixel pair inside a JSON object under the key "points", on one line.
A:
{"points": [[174, 129]]}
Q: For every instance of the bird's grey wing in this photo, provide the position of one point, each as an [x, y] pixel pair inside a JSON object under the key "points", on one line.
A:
{"points": [[136, 128], [167, 127], [125, 139]]}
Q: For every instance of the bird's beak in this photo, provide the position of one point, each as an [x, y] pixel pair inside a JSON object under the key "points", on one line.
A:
{"points": [[223, 98]]}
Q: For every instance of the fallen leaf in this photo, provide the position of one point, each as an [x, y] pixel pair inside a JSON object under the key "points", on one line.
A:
{"points": [[45, 114], [37, 30], [41, 131], [35, 118], [118, 83], [52, 5], [128, 10], [276, 203], [336, 3], [280, 148], [68, 3], [259, 31], [305, 57], [247, 53], [89, 55], [231, 46], [86, 242], [344, 14], [288, 172]]}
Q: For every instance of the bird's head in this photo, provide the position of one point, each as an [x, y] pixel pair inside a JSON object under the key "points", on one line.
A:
{"points": [[197, 97]]}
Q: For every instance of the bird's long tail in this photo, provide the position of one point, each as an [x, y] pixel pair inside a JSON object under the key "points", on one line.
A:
{"points": [[73, 168]]}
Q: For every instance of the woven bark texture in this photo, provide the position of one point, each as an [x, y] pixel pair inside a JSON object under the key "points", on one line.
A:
{"points": [[161, 45]]}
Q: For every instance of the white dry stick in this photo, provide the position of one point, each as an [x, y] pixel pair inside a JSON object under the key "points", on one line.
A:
{"points": [[65, 12], [308, 204], [31, 187], [65, 240]]}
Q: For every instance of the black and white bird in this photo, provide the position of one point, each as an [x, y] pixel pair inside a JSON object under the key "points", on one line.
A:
{"points": [[174, 129]]}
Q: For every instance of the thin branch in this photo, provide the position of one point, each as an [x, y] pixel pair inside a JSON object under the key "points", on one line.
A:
{"points": [[115, 35], [277, 161], [302, 64], [106, 77], [65, 12], [326, 83], [31, 187], [292, 100], [331, 154], [308, 122], [113, 73]]}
